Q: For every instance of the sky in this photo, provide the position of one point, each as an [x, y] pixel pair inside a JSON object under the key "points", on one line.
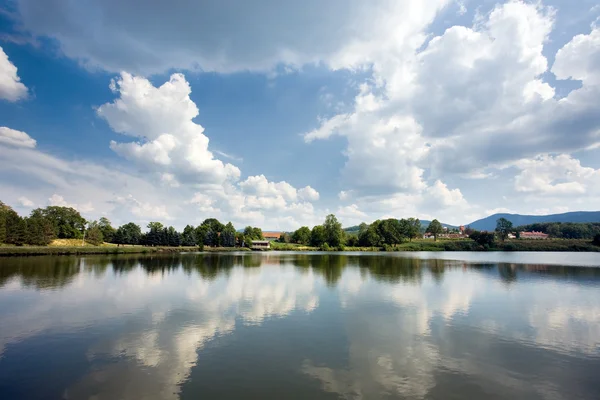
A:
{"points": [[276, 114]]}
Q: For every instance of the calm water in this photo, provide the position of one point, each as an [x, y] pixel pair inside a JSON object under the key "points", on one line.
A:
{"points": [[301, 326]]}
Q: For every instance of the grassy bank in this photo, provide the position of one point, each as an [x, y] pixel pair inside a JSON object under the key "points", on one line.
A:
{"points": [[462, 245]]}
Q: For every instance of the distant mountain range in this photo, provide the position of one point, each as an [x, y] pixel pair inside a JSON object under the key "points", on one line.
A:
{"points": [[489, 223]]}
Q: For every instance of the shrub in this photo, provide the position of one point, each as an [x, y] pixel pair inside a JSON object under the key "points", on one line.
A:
{"points": [[596, 241], [325, 247]]}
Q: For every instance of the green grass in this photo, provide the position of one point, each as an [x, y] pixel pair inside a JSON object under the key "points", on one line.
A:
{"points": [[563, 245], [55, 250]]}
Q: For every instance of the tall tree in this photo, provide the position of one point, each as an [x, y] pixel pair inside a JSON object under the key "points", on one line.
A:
{"points": [[40, 231], [4, 209], [301, 235], [334, 235], [67, 222], [503, 228], [16, 228], [155, 235], [228, 235], [369, 236], [128, 234], [93, 234], [107, 230], [172, 237], [435, 228], [414, 228], [318, 236], [188, 237]]}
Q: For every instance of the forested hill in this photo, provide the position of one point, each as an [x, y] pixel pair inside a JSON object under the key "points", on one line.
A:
{"points": [[489, 223]]}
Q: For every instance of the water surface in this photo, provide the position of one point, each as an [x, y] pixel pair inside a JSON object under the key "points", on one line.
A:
{"points": [[301, 326]]}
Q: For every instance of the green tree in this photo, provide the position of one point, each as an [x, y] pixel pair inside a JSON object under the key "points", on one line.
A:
{"points": [[334, 235], [252, 233], [3, 212], [391, 231], [130, 233], [503, 228], [485, 239], [188, 237], [352, 241], [284, 238], [172, 237], [318, 236], [156, 235], [67, 222], [93, 234], [435, 228], [40, 231], [228, 235], [16, 228], [108, 232], [414, 228], [370, 237], [201, 231], [301, 235]]}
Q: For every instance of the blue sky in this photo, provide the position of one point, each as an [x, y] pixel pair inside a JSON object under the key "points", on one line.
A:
{"points": [[280, 113]]}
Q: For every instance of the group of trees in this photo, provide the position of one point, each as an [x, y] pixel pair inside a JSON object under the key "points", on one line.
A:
{"points": [[379, 233], [211, 232], [564, 230], [41, 227], [44, 225]]}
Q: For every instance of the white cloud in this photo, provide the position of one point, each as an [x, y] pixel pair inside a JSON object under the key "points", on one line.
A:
{"points": [[556, 175], [260, 186], [113, 35], [11, 88], [309, 194], [580, 59], [144, 210], [12, 137], [56, 200], [161, 117], [25, 202]]}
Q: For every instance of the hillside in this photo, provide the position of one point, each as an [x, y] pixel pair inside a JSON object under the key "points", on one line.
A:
{"points": [[489, 223]]}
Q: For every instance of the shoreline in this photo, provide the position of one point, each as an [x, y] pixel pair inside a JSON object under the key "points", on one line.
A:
{"points": [[552, 245]]}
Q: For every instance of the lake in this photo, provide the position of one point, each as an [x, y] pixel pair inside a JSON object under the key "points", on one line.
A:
{"points": [[301, 326]]}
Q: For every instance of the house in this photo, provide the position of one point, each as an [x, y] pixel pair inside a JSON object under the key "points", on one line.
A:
{"points": [[271, 236], [534, 235], [261, 245]]}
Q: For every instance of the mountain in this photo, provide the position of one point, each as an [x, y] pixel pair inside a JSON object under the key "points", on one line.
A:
{"points": [[489, 223]]}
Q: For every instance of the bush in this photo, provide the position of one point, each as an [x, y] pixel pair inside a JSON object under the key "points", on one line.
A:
{"points": [[201, 246], [325, 247], [596, 241]]}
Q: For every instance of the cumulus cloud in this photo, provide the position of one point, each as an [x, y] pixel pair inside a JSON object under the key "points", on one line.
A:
{"points": [[556, 175], [12, 137], [161, 117], [470, 100], [11, 88]]}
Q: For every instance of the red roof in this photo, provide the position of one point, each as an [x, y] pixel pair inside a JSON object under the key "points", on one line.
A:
{"points": [[272, 235]]}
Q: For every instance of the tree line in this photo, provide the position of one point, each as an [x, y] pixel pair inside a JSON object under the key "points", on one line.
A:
{"points": [[377, 234], [564, 230], [44, 225]]}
